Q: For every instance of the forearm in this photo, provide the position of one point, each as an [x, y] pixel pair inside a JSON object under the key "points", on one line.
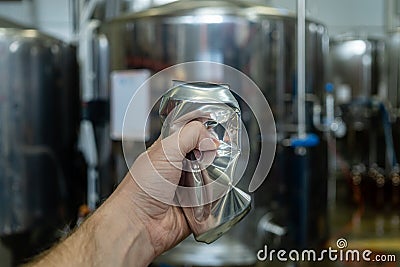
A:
{"points": [[110, 237], [132, 227]]}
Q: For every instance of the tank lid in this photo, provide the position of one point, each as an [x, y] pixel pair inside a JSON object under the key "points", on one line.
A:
{"points": [[27, 34], [5, 23], [9, 28], [190, 7], [351, 36], [199, 92]]}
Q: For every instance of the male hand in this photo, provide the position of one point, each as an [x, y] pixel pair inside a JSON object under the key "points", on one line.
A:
{"points": [[132, 227], [165, 224]]}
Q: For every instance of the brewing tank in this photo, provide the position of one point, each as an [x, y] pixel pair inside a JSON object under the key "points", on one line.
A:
{"points": [[365, 73], [257, 40], [39, 116], [393, 60], [357, 67]]}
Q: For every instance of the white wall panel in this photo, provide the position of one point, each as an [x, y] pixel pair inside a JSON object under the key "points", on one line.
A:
{"points": [[342, 16], [53, 18], [20, 12], [49, 16]]}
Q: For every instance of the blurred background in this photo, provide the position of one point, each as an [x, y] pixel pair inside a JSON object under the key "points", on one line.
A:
{"points": [[329, 69]]}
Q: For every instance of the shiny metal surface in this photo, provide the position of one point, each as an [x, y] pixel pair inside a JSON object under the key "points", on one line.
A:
{"points": [[213, 211], [357, 63], [261, 42], [393, 58], [39, 115], [358, 70], [365, 73], [4, 23]]}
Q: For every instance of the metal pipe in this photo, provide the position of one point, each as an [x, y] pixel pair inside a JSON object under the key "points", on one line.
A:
{"points": [[87, 145], [301, 56], [87, 136], [74, 8], [391, 14], [34, 13], [88, 10], [87, 28], [331, 141]]}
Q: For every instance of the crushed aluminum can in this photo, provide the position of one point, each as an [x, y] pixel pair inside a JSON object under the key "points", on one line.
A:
{"points": [[215, 204]]}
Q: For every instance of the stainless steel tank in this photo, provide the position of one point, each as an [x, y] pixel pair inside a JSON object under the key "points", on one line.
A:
{"points": [[10, 24], [357, 67], [393, 60], [261, 42], [365, 74], [39, 116]]}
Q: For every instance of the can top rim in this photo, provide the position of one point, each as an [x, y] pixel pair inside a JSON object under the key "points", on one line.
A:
{"points": [[199, 92]]}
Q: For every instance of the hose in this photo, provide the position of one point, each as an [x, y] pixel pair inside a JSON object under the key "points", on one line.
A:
{"points": [[387, 128]]}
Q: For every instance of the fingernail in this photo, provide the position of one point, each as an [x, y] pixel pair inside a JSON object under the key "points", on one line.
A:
{"points": [[216, 141], [208, 144], [197, 153]]}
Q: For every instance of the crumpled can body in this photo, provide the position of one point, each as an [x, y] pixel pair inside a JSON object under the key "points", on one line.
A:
{"points": [[214, 204]]}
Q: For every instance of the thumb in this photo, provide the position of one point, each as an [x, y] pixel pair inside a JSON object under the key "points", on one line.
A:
{"points": [[164, 160], [193, 135]]}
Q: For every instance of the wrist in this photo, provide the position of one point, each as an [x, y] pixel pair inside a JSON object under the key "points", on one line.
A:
{"points": [[121, 239], [113, 236]]}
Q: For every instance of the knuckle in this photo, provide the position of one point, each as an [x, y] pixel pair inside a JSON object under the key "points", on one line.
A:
{"points": [[195, 125]]}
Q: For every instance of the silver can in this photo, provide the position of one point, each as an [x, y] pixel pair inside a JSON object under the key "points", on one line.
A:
{"points": [[215, 204]]}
